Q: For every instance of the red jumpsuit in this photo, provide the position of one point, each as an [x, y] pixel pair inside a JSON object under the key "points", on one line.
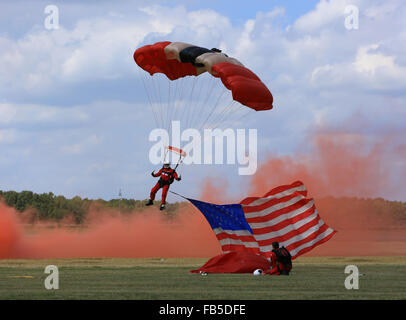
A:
{"points": [[166, 174], [276, 266]]}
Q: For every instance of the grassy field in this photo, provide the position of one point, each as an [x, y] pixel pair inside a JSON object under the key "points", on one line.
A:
{"points": [[107, 278]]}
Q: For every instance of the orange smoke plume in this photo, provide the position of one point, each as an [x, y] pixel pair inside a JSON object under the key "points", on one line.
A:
{"points": [[345, 165], [108, 234], [9, 232], [339, 165]]}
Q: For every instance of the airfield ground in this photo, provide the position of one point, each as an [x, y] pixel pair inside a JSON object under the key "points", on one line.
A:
{"points": [[155, 278]]}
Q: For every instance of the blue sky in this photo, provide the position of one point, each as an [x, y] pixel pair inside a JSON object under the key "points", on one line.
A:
{"points": [[74, 117]]}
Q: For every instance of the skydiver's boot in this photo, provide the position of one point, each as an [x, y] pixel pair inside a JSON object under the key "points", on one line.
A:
{"points": [[149, 203], [162, 207]]}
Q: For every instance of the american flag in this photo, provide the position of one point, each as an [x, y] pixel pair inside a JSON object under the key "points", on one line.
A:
{"points": [[283, 214]]}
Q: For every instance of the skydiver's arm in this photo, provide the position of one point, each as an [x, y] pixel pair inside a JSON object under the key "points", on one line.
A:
{"points": [[175, 175], [157, 174]]}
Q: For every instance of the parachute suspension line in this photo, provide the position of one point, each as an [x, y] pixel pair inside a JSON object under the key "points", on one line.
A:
{"points": [[180, 160], [198, 102], [154, 91], [172, 108], [160, 101], [212, 111], [196, 99], [180, 100], [216, 112], [148, 96], [186, 114], [155, 85], [229, 112], [197, 81], [208, 95], [217, 121], [175, 101], [169, 99], [232, 110], [245, 114], [171, 94], [186, 100], [166, 152]]}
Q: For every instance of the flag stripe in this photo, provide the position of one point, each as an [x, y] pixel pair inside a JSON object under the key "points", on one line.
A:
{"points": [[273, 204], [295, 238], [310, 234], [299, 226], [281, 215], [304, 213], [275, 193], [317, 241]]}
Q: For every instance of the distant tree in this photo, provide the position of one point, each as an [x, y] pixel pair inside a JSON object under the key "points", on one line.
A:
{"points": [[44, 204], [24, 199], [78, 208]]}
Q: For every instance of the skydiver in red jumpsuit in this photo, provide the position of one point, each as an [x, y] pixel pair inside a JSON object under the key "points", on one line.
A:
{"points": [[167, 175], [281, 260]]}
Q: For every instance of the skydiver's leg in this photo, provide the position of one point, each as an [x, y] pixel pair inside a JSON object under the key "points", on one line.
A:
{"points": [[274, 271], [165, 189], [274, 265], [154, 190]]}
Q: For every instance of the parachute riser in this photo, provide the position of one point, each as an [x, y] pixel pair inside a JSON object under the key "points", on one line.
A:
{"points": [[178, 163]]}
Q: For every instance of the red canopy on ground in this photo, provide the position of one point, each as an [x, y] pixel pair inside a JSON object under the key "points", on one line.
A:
{"points": [[234, 262]]}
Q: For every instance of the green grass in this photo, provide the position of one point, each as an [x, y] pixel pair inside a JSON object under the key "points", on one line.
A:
{"points": [[107, 278]]}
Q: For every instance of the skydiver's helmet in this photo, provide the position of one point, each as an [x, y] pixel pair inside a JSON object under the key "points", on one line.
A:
{"points": [[167, 165], [258, 272]]}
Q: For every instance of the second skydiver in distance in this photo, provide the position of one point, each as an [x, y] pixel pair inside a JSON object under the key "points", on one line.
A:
{"points": [[167, 176]]}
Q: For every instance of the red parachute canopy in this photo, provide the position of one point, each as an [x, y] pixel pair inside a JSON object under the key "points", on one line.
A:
{"points": [[234, 262], [177, 60], [152, 59]]}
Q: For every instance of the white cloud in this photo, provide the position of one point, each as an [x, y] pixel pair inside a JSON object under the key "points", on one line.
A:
{"points": [[97, 49], [325, 13], [369, 69], [28, 114], [369, 62], [382, 10], [82, 146]]}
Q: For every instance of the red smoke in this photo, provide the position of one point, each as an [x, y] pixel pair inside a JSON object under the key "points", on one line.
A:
{"points": [[140, 234], [9, 232], [345, 165], [339, 165]]}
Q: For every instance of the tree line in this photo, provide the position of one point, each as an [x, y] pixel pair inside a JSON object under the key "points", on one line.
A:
{"points": [[48, 206]]}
